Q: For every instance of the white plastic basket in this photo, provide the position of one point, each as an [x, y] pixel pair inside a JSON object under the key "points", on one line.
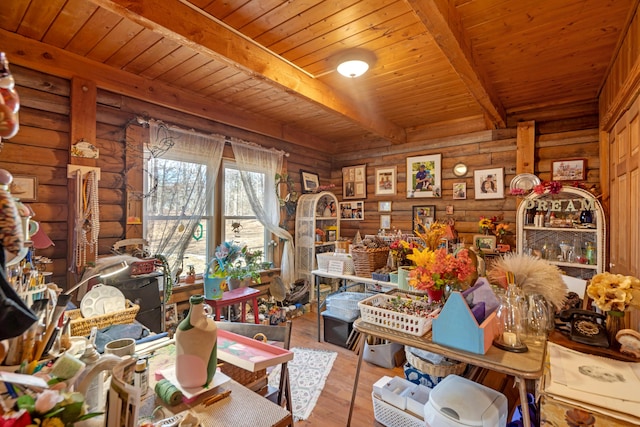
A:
{"points": [[372, 312], [324, 258], [390, 416]]}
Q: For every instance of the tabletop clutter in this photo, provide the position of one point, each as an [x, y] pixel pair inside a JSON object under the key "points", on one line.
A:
{"points": [[188, 374]]}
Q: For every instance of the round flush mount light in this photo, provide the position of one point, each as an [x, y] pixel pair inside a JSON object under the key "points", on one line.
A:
{"points": [[354, 62], [353, 68]]}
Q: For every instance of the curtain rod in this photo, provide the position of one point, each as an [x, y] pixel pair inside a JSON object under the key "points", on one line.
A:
{"points": [[145, 122]]}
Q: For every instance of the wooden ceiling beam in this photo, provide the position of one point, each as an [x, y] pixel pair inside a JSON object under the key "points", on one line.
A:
{"points": [[51, 60], [178, 21], [445, 25]]}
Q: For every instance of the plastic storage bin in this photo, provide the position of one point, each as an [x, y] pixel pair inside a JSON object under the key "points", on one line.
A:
{"points": [[345, 304], [336, 329]]}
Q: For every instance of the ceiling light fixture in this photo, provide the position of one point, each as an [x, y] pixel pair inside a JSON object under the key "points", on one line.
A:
{"points": [[355, 62], [353, 68]]}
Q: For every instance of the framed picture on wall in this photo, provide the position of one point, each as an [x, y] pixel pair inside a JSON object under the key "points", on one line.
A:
{"points": [[489, 183], [354, 182], [386, 181], [385, 222], [569, 170], [25, 188], [310, 181], [424, 214], [351, 211], [424, 177], [459, 190], [384, 206]]}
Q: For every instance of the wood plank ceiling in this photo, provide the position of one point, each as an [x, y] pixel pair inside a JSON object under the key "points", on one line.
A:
{"points": [[269, 64]]}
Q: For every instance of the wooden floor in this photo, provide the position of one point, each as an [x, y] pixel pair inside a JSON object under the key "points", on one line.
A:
{"points": [[332, 408]]}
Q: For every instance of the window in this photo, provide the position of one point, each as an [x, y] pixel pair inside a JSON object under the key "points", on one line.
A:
{"points": [[179, 179], [239, 222]]}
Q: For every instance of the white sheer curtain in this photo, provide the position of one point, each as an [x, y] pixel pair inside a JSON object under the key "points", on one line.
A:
{"points": [[252, 158], [181, 167]]}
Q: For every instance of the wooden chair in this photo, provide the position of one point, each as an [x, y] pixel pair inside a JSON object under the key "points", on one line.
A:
{"points": [[273, 333]]}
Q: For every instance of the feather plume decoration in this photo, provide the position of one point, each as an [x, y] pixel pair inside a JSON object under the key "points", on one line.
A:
{"points": [[533, 276]]}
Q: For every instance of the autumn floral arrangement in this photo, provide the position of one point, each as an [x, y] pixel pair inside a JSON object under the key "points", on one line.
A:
{"points": [[434, 266], [49, 408], [436, 269], [614, 292]]}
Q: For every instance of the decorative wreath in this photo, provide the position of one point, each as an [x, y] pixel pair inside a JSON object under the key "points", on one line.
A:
{"points": [[292, 194]]}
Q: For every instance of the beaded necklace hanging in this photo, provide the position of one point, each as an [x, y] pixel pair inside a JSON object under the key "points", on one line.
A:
{"points": [[87, 227]]}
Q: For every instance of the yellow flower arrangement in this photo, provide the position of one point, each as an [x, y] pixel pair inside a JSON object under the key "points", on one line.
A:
{"points": [[435, 269], [614, 292]]}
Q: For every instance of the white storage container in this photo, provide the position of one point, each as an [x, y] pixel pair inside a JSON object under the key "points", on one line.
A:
{"points": [[395, 392], [345, 304], [457, 401]]}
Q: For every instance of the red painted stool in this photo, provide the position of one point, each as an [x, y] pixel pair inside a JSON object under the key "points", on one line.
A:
{"points": [[239, 295]]}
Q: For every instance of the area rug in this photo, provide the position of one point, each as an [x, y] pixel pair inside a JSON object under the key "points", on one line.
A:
{"points": [[308, 372]]}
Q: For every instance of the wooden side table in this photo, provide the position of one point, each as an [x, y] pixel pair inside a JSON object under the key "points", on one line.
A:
{"points": [[236, 296]]}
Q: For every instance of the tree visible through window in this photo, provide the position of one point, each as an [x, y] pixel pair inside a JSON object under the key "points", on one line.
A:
{"points": [[239, 221]]}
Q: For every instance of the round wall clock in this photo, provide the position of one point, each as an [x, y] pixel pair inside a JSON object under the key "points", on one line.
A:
{"points": [[460, 169]]}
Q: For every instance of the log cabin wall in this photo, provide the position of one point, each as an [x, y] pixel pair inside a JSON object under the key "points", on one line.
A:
{"points": [[568, 133], [41, 149]]}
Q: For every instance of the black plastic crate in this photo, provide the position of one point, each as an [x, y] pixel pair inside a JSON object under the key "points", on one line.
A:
{"points": [[336, 329]]}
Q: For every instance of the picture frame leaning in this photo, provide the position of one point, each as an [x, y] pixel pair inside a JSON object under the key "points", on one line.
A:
{"points": [[310, 181]]}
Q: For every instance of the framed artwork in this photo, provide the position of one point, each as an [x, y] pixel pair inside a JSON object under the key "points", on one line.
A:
{"points": [[424, 177], [449, 209], [310, 181], [354, 182], [384, 206], [569, 170], [484, 242], [351, 211], [489, 183], [385, 222], [459, 190], [25, 188], [386, 181], [424, 215]]}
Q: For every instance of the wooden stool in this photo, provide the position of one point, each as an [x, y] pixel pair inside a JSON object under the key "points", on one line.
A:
{"points": [[239, 295]]}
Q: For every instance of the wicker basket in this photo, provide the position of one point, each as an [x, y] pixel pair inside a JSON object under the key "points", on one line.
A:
{"points": [[368, 260], [434, 370], [243, 376], [81, 326]]}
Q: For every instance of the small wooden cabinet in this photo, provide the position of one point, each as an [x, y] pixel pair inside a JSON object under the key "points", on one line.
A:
{"points": [[577, 249]]}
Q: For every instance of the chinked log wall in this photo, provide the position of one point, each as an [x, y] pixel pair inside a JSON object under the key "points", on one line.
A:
{"points": [[41, 149], [559, 135]]}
